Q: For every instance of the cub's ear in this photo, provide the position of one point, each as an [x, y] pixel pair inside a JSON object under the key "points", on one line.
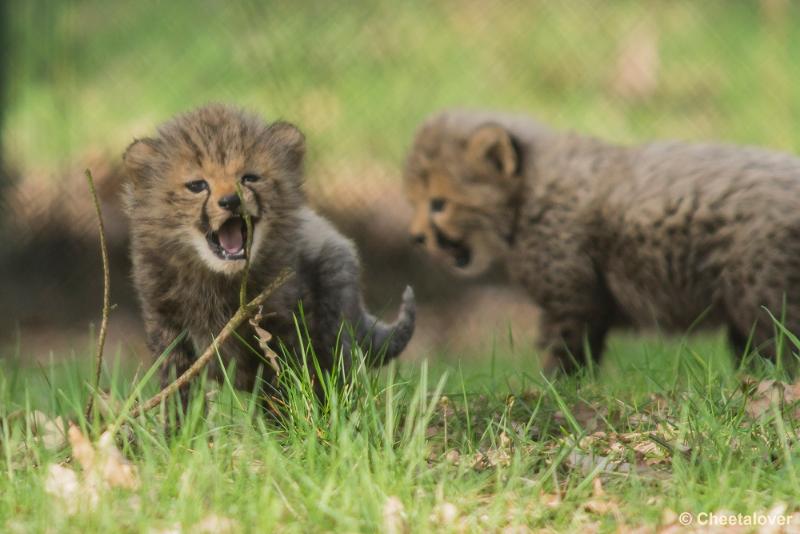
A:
{"points": [[289, 142], [141, 158], [495, 150]]}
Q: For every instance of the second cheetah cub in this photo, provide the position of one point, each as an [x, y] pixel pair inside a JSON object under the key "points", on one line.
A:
{"points": [[662, 234]]}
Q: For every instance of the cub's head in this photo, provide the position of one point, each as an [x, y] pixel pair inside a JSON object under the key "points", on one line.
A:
{"points": [[463, 177], [182, 193]]}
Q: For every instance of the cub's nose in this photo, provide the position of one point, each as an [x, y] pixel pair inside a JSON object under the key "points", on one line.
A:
{"points": [[418, 239], [230, 202]]}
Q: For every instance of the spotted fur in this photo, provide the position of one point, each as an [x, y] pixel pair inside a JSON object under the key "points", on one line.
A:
{"points": [[666, 234], [184, 286]]}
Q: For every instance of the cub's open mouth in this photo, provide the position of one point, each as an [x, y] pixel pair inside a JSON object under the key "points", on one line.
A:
{"points": [[228, 243], [459, 250]]}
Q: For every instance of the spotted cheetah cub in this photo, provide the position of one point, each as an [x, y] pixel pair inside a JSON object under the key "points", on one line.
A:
{"points": [[664, 234], [188, 241]]}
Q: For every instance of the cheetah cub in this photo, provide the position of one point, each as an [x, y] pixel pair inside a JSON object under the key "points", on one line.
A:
{"points": [[188, 238], [664, 234]]}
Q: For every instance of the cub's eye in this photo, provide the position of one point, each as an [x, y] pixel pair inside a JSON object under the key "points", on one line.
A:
{"points": [[437, 204], [250, 178], [197, 186]]}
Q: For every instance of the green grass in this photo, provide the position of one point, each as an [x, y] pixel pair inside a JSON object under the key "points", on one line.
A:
{"points": [[519, 438], [88, 76]]}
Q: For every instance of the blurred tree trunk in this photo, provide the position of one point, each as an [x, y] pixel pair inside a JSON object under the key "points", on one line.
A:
{"points": [[5, 52]]}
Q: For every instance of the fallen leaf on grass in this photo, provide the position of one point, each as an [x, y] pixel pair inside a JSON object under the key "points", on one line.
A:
{"points": [[216, 524], [445, 515], [104, 461], [394, 516], [115, 469], [601, 503], [263, 338], [172, 529], [760, 395], [453, 456], [550, 500], [82, 449], [649, 448], [51, 433], [103, 467], [498, 457], [491, 458], [62, 484], [588, 416]]}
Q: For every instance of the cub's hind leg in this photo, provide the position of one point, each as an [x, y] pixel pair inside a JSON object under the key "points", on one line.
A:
{"points": [[566, 339], [576, 315], [760, 292], [577, 308]]}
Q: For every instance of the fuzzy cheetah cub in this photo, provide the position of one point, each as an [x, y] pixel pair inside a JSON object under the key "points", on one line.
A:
{"points": [[600, 235], [188, 241]]}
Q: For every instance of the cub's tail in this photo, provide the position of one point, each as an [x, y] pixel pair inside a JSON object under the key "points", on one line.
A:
{"points": [[387, 341]]}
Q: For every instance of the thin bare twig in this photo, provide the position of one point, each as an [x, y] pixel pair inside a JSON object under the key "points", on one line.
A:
{"points": [[248, 245], [101, 339], [241, 315]]}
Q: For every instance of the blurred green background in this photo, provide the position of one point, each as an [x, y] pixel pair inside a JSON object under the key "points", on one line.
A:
{"points": [[358, 76], [85, 77]]}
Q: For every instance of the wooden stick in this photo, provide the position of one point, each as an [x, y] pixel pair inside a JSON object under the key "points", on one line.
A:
{"points": [[248, 245], [101, 339], [241, 315]]}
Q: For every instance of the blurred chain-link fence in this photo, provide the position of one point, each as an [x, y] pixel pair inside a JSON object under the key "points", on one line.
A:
{"points": [[85, 77]]}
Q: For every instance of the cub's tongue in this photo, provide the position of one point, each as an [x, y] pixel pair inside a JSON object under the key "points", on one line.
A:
{"points": [[231, 236]]}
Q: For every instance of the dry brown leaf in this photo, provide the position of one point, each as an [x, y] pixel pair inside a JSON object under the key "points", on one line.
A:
{"points": [[445, 514], [263, 338], [616, 447], [498, 457], [216, 524], [51, 433], [597, 488], [115, 469], [103, 467], [550, 500], [766, 392], [601, 503], [394, 516], [599, 506], [453, 456], [480, 461], [82, 449], [175, 528], [63, 485], [588, 416], [588, 463], [668, 516], [643, 529]]}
